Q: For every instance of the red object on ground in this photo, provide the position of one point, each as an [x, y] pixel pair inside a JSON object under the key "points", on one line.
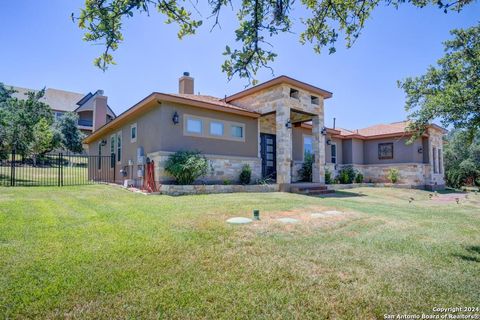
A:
{"points": [[149, 181]]}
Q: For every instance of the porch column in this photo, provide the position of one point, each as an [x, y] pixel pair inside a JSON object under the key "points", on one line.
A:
{"points": [[318, 168], [284, 144]]}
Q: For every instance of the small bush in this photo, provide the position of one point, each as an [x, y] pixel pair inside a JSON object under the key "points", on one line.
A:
{"points": [[186, 166], [359, 178], [246, 174], [305, 172], [393, 175], [347, 175], [227, 182], [328, 177]]}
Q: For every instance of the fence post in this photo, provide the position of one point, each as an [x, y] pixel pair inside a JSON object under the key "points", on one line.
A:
{"points": [[12, 169], [113, 164], [61, 169]]}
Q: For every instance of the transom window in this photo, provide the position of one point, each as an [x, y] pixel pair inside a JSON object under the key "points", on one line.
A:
{"points": [[216, 128], [194, 125], [236, 131], [385, 151], [213, 128], [307, 146]]}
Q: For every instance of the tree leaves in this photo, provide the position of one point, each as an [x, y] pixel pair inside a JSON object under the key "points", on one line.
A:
{"points": [[259, 20], [449, 91]]}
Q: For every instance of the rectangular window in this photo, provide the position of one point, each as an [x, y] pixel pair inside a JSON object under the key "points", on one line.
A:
{"points": [[294, 93], [133, 133], [58, 115], [216, 128], [237, 131], [385, 151], [307, 146], [315, 100], [119, 146], [333, 149], [440, 164], [434, 152], [194, 125]]}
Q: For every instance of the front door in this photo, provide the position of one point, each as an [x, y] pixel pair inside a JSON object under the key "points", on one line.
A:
{"points": [[269, 155]]}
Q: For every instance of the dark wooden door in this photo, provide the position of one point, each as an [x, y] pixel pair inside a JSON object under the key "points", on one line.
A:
{"points": [[268, 152]]}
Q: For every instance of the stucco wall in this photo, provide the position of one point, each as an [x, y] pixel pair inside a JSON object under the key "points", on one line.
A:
{"points": [[402, 152]]}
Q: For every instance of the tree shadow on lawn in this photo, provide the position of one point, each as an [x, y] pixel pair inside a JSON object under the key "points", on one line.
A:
{"points": [[474, 254], [341, 194]]}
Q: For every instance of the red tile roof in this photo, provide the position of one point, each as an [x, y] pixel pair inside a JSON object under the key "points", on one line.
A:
{"points": [[208, 99]]}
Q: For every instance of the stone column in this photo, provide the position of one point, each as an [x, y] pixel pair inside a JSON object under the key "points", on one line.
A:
{"points": [[284, 144], [318, 169]]}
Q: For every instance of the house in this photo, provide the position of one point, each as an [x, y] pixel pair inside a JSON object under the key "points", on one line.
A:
{"points": [[84, 106], [270, 127]]}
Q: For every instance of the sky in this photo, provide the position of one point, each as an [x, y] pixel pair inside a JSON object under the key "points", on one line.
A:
{"points": [[42, 47]]}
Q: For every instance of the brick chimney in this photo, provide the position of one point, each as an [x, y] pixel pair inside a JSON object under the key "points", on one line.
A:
{"points": [[99, 110], [185, 84]]}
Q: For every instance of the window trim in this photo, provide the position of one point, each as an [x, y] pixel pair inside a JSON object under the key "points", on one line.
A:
{"points": [[303, 145], [434, 160], [333, 144], [134, 125], [389, 157], [205, 132], [119, 147]]}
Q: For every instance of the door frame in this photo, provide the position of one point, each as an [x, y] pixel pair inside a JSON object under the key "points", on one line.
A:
{"points": [[263, 154]]}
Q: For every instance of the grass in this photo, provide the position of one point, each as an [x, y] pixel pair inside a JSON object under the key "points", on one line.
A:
{"points": [[104, 253]]}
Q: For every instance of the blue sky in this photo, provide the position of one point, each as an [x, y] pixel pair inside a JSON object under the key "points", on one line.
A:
{"points": [[42, 47]]}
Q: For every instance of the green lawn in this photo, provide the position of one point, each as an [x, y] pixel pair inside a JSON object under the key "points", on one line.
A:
{"points": [[101, 252]]}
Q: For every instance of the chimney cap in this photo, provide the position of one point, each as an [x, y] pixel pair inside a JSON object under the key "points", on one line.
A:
{"points": [[100, 92], [186, 74]]}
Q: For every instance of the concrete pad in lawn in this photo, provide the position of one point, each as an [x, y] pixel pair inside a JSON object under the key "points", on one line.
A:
{"points": [[239, 220]]}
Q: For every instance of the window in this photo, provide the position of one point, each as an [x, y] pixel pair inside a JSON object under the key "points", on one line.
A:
{"points": [[307, 146], [440, 167], [314, 100], [216, 128], [385, 151], [434, 152], [58, 115], [237, 131], [133, 133], [119, 146], [294, 93], [333, 149], [194, 125]]}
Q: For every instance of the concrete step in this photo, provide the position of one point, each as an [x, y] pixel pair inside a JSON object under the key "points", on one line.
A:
{"points": [[310, 188]]}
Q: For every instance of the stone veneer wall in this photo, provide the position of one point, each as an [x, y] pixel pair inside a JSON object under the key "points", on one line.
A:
{"points": [[221, 168], [176, 190], [414, 174], [435, 139]]}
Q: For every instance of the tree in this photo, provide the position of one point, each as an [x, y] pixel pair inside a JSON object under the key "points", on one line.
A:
{"points": [[258, 21], [19, 117], [71, 137], [42, 139], [462, 159], [451, 90]]}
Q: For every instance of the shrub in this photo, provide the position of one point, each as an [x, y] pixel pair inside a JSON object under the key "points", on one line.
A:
{"points": [[359, 178], [245, 174], [186, 166], [305, 172], [328, 177], [393, 175], [347, 175]]}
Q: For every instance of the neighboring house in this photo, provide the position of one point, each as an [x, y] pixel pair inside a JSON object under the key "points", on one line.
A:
{"points": [[84, 105], [270, 127]]}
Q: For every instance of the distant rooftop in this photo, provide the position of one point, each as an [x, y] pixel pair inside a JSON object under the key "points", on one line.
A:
{"points": [[59, 100]]}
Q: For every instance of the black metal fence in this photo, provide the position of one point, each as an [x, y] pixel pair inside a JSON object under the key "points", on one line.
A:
{"points": [[56, 170]]}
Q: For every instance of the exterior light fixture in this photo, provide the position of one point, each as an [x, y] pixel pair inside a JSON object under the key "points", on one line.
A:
{"points": [[288, 124], [420, 150], [329, 142], [256, 214], [175, 118], [324, 131], [103, 143]]}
